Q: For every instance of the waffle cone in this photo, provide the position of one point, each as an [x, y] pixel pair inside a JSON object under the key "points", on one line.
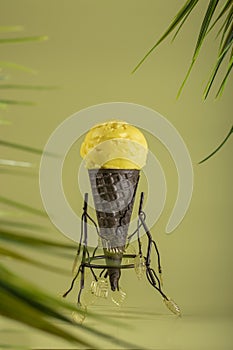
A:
{"points": [[114, 192]]}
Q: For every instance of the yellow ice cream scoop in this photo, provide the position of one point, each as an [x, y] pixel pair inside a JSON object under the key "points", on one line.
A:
{"points": [[114, 145]]}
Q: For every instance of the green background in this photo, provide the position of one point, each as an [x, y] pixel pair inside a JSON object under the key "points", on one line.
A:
{"points": [[92, 48]]}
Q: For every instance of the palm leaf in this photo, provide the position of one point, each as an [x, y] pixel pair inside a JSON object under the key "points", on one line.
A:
{"points": [[32, 317], [22, 206], [22, 225], [20, 300], [5, 29], [178, 18], [28, 304], [224, 9], [184, 19], [223, 83], [20, 147], [12, 65], [15, 102], [20, 257], [17, 238], [227, 24], [224, 50], [9, 213], [32, 241], [23, 39], [202, 34], [218, 148], [206, 27], [35, 295], [26, 148]]}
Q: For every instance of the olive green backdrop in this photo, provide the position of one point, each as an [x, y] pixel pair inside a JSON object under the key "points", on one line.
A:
{"points": [[92, 48]]}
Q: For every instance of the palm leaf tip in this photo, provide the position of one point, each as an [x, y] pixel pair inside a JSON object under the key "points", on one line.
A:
{"points": [[201, 37], [228, 5], [190, 4], [218, 148], [226, 47], [223, 83]]}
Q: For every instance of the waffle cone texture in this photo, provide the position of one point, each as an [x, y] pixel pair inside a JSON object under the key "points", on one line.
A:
{"points": [[114, 193]]}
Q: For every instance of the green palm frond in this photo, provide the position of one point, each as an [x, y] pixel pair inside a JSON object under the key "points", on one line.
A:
{"points": [[16, 304], [23, 39], [22, 206], [22, 301], [22, 225], [190, 7], [206, 26], [201, 37], [36, 303], [5, 103], [186, 9], [21, 147], [223, 83], [17, 238], [227, 23], [16, 66], [219, 147], [11, 253], [224, 9], [227, 45]]}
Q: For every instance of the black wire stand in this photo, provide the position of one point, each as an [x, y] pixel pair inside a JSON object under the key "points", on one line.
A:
{"points": [[97, 262]]}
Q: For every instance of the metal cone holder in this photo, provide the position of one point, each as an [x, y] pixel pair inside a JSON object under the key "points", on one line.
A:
{"points": [[140, 262]]}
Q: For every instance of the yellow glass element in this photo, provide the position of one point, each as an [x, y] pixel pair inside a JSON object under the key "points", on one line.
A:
{"points": [[140, 266], [172, 306], [88, 296], [100, 288], [118, 297], [114, 145], [79, 315]]}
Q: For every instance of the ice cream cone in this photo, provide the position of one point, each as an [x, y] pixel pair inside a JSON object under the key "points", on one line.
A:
{"points": [[114, 193], [114, 153]]}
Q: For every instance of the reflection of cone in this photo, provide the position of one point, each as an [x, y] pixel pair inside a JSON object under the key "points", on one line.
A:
{"points": [[114, 193]]}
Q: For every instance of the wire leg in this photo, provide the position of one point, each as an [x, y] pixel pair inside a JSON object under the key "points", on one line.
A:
{"points": [[72, 283], [81, 284], [150, 274]]}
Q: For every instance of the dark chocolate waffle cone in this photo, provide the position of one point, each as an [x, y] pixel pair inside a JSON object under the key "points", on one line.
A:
{"points": [[114, 193]]}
